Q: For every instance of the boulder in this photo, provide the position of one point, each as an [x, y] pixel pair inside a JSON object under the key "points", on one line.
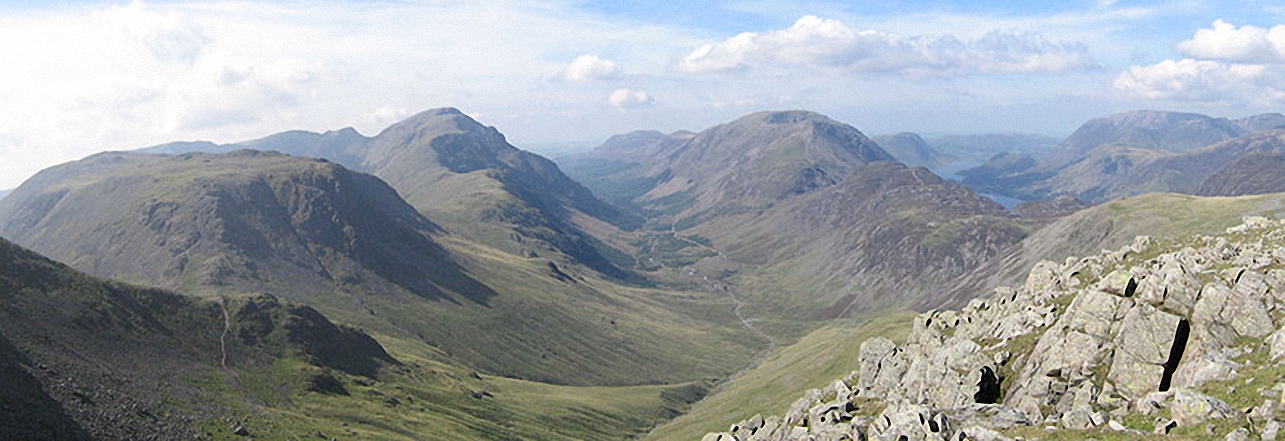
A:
{"points": [[1142, 347], [1277, 342], [1191, 408]]}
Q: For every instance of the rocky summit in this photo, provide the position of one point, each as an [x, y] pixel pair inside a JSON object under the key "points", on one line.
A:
{"points": [[1177, 338]]}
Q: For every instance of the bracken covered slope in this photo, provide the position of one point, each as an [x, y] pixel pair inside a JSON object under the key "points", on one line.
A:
{"points": [[1184, 338]]}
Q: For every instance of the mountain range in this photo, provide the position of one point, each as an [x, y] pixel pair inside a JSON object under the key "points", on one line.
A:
{"points": [[435, 281], [792, 206], [1130, 154], [464, 175]]}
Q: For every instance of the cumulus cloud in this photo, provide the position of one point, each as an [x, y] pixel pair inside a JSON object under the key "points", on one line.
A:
{"points": [[629, 98], [1201, 80], [830, 44], [1246, 44], [1227, 64], [589, 67]]}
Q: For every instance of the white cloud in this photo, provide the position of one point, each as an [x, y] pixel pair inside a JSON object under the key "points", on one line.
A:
{"points": [[589, 67], [830, 44], [629, 98], [1246, 44], [1203, 81], [1229, 65]]}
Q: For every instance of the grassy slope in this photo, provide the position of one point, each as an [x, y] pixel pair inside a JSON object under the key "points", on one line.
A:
{"points": [[768, 388], [269, 389], [1110, 226], [432, 397], [536, 324]]}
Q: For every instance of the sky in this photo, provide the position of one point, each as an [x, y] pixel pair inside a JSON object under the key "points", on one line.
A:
{"points": [[82, 77]]}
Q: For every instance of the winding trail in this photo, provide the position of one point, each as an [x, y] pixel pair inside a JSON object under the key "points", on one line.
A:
{"points": [[737, 304], [223, 338]]}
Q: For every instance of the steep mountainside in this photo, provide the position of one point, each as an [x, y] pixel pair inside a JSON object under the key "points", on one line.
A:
{"points": [[247, 221], [310, 230], [750, 163], [464, 175], [1254, 173], [910, 149], [879, 239], [4, 193], [1130, 154], [71, 346], [1166, 338]]}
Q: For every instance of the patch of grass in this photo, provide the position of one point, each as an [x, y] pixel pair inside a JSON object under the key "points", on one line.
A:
{"points": [[817, 360]]}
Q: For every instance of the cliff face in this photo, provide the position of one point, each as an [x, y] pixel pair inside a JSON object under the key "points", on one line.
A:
{"points": [[1182, 337]]}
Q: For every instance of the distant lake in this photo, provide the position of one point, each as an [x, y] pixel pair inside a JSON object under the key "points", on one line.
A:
{"points": [[951, 172], [1006, 201]]}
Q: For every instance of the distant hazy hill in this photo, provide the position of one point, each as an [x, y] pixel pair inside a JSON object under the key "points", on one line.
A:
{"points": [[1144, 129], [1253, 173], [4, 193], [625, 166], [310, 230], [818, 220], [981, 147], [910, 149], [82, 358], [464, 175], [1128, 154]]}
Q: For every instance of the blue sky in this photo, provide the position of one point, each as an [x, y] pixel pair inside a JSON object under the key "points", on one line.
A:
{"points": [[83, 77]]}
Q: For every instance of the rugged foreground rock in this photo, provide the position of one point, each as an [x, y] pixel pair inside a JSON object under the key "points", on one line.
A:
{"points": [[1162, 337]]}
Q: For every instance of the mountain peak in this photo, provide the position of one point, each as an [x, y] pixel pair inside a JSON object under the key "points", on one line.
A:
{"points": [[1149, 118], [782, 118], [440, 120]]}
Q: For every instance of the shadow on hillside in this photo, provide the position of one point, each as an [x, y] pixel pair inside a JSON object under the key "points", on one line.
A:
{"points": [[26, 411]]}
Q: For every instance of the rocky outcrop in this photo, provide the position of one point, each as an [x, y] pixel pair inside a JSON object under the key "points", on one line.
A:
{"points": [[1159, 336]]}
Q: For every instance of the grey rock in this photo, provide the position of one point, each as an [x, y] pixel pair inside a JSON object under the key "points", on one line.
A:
{"points": [[1141, 349], [882, 364], [1271, 430], [1191, 408], [1241, 434], [1078, 419], [1277, 342]]}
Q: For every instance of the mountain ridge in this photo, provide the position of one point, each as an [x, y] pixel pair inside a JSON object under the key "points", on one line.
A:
{"points": [[1127, 154], [464, 174]]}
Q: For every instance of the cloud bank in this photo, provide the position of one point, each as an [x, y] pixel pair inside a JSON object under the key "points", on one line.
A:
{"points": [[820, 43]]}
